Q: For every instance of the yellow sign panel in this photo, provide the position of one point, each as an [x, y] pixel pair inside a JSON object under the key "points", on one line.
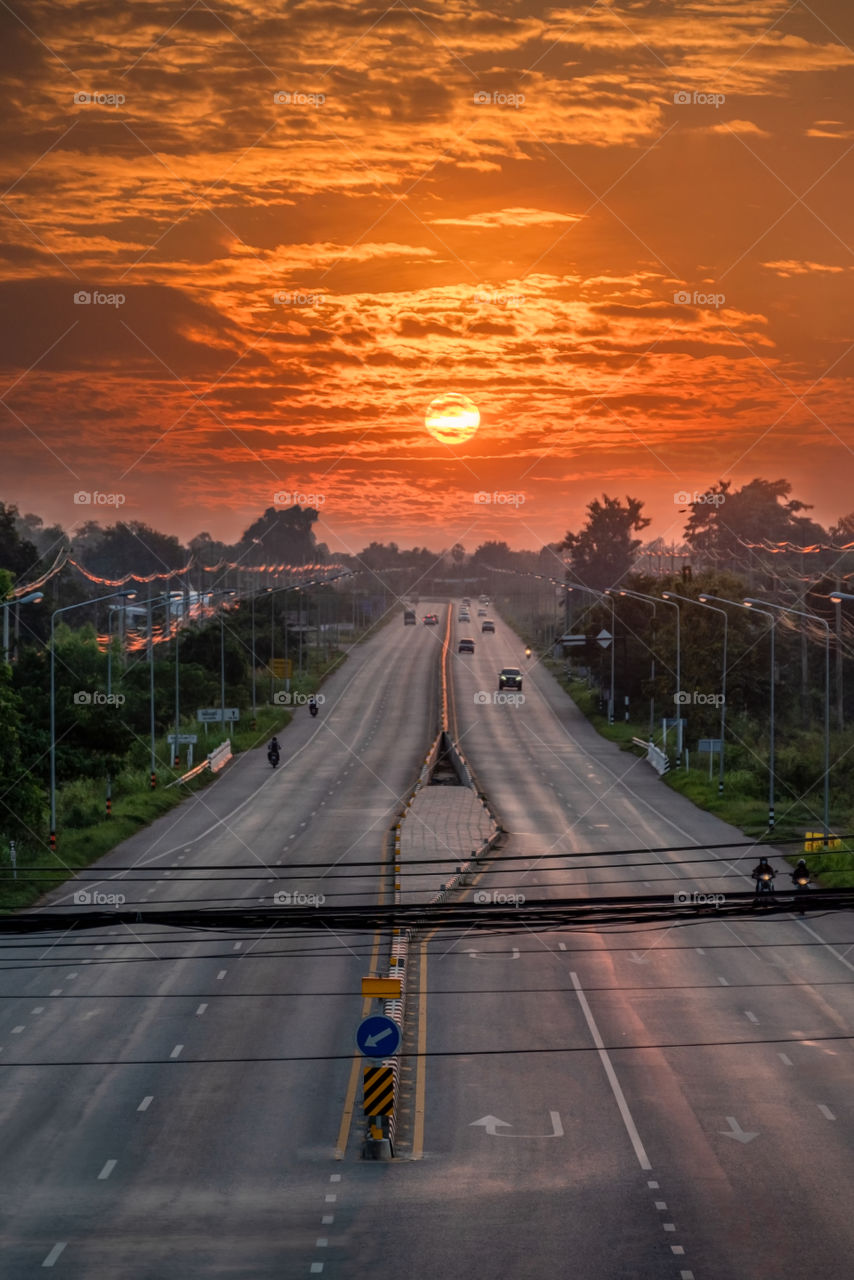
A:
{"points": [[282, 668], [379, 1091], [387, 988], [814, 842]]}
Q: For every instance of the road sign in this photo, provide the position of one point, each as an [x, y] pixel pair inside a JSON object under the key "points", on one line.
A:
{"points": [[387, 988], [378, 1036], [213, 715], [282, 668], [711, 745], [604, 637], [379, 1091], [573, 640], [182, 738]]}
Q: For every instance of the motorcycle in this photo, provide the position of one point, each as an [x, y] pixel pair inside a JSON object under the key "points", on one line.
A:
{"points": [[273, 757], [312, 706]]}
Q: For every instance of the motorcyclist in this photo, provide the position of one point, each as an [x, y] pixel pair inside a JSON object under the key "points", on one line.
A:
{"points": [[273, 747], [312, 705], [763, 874]]}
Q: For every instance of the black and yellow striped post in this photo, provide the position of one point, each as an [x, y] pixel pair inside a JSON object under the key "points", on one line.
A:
{"points": [[378, 1084]]}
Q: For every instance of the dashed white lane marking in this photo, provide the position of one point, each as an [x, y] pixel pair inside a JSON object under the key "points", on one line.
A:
{"points": [[723, 981], [631, 1128], [826, 1111], [146, 1102], [237, 946], [653, 1186], [327, 1219], [100, 946], [316, 1268], [561, 946], [38, 1009], [70, 977], [330, 1199], [201, 1010], [322, 1242], [175, 1052], [221, 975], [16, 1031], [786, 1061], [669, 1226], [107, 1170], [57, 991], [751, 1016], [676, 1248], [686, 1275], [699, 951], [54, 1254], [335, 1177], [660, 1204]]}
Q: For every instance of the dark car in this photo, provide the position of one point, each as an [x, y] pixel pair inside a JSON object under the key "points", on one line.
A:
{"points": [[409, 618], [465, 646], [431, 619], [510, 678], [487, 625]]}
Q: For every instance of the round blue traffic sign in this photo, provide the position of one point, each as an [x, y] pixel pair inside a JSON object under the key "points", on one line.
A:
{"points": [[378, 1036]]}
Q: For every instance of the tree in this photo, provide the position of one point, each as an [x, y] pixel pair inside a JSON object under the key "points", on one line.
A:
{"points": [[725, 519], [282, 537], [127, 547], [604, 551]]}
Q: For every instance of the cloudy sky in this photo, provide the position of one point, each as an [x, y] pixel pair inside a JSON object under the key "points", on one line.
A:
{"points": [[623, 230]]}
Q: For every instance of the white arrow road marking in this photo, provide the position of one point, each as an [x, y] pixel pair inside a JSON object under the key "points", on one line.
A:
{"points": [[735, 1131], [491, 1125]]}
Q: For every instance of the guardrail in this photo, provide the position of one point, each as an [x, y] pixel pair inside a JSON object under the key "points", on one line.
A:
{"points": [[217, 759], [655, 756]]}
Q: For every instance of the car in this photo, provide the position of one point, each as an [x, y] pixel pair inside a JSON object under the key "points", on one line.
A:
{"points": [[487, 625], [466, 603], [464, 615], [409, 618], [484, 600], [481, 613], [431, 619], [510, 678], [465, 646]]}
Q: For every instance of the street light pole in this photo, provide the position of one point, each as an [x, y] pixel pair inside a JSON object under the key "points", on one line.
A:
{"points": [[113, 595], [701, 601], [577, 587], [33, 597], [643, 595]]}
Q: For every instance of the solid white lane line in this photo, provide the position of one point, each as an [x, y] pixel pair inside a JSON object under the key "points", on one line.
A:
{"points": [[176, 1051], [826, 1111], [146, 1102], [201, 1010], [631, 1127], [54, 1254], [787, 1062], [107, 1170]]}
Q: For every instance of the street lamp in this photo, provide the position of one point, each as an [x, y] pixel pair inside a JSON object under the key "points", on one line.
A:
{"points": [[643, 595], [602, 594], [702, 601], [754, 606], [33, 597], [624, 592], [813, 617], [222, 592], [113, 595]]}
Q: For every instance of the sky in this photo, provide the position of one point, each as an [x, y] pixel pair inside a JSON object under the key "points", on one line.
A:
{"points": [[246, 245]]}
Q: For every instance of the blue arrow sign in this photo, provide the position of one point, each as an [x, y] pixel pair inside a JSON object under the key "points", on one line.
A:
{"points": [[378, 1036]]}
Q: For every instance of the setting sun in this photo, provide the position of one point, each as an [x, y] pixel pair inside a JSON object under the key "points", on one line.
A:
{"points": [[452, 419]]}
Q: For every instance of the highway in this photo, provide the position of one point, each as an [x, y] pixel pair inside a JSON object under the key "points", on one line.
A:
{"points": [[654, 1102]]}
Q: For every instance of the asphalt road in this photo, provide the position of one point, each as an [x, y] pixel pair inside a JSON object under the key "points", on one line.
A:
{"points": [[667, 1102], [200, 1139]]}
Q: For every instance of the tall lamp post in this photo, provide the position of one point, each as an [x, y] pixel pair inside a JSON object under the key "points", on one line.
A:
{"points": [[113, 595], [624, 592], [643, 595], [32, 597], [813, 617], [603, 595], [753, 605], [701, 601]]}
